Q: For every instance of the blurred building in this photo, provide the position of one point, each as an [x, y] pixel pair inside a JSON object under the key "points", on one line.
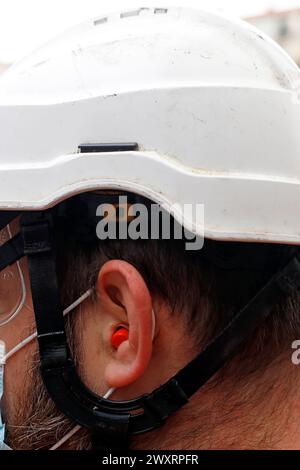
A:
{"points": [[283, 27]]}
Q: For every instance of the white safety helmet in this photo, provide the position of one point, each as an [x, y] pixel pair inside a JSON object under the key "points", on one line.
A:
{"points": [[212, 103], [174, 105]]}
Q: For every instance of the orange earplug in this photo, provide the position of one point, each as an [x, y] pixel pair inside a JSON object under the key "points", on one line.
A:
{"points": [[119, 336]]}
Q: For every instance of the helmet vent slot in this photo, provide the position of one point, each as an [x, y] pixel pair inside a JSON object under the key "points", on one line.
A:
{"points": [[156, 11], [100, 21], [161, 11], [128, 14]]}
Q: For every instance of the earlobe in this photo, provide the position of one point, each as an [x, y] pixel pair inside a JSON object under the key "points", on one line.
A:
{"points": [[123, 288]]}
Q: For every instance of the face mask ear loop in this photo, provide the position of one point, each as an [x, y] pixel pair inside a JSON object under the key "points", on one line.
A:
{"points": [[107, 395], [2, 363], [66, 437], [153, 324], [30, 338], [77, 428]]}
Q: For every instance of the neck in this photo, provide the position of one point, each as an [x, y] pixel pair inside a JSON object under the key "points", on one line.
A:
{"points": [[260, 411]]}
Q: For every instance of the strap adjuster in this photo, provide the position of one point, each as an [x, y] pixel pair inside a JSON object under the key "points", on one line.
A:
{"points": [[37, 238]]}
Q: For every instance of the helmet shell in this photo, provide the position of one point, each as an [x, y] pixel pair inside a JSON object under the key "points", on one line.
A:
{"points": [[212, 103]]}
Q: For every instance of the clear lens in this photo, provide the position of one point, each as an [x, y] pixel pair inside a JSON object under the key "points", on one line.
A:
{"points": [[12, 286]]}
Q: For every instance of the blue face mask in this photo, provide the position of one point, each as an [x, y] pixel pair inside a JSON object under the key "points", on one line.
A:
{"points": [[3, 446]]}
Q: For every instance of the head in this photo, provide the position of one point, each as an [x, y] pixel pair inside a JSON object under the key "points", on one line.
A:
{"points": [[205, 128], [171, 301]]}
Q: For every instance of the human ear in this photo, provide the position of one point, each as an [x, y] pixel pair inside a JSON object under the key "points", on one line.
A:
{"points": [[127, 301]]}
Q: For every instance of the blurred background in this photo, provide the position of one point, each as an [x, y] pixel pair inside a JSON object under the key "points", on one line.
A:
{"points": [[26, 24], [283, 26]]}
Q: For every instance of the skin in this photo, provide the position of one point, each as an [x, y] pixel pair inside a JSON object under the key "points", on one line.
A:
{"points": [[257, 412], [135, 367]]}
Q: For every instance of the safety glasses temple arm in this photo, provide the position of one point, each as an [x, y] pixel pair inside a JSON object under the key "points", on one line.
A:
{"points": [[11, 251]]}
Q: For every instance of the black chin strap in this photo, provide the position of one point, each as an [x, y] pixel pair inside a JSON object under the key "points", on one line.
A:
{"points": [[113, 422], [6, 217]]}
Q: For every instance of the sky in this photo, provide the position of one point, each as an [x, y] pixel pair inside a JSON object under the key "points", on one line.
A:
{"points": [[26, 24]]}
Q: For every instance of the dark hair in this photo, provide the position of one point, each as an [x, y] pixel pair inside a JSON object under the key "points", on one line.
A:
{"points": [[207, 286]]}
